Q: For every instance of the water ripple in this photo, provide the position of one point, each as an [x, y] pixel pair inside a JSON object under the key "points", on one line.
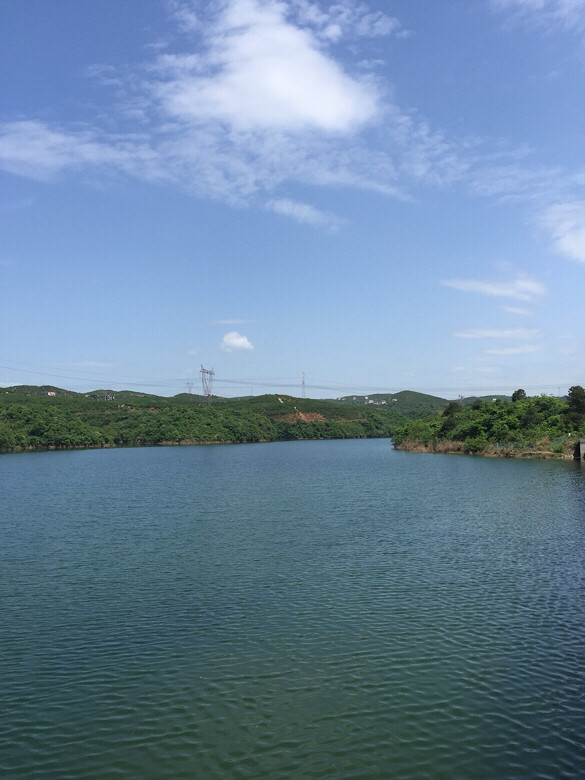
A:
{"points": [[318, 609]]}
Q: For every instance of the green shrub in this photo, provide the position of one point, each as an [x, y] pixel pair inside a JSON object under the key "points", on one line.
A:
{"points": [[476, 444]]}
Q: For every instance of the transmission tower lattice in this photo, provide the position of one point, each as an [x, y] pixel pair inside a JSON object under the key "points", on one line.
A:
{"points": [[303, 387], [207, 377]]}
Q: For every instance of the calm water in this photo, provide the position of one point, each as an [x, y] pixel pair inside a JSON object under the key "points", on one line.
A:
{"points": [[292, 610]]}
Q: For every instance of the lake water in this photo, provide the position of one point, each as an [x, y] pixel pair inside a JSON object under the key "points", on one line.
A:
{"points": [[327, 609]]}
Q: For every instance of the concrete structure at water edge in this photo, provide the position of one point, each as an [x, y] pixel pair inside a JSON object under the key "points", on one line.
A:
{"points": [[580, 450]]}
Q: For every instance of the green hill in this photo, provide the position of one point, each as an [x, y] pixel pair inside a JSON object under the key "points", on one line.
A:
{"points": [[470, 400], [36, 390], [406, 402], [30, 418], [544, 425]]}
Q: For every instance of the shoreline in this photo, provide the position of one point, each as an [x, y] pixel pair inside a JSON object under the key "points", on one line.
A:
{"points": [[489, 451], [170, 443]]}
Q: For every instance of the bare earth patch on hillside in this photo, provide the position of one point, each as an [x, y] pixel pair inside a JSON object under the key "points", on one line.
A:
{"points": [[302, 416]]}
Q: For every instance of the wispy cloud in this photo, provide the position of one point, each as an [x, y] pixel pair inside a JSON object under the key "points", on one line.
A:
{"points": [[260, 99], [184, 15], [262, 102], [566, 222], [30, 148], [92, 364], [569, 14], [497, 176], [520, 334], [523, 288], [230, 322], [253, 97], [305, 213], [525, 349], [346, 18], [518, 310], [233, 341]]}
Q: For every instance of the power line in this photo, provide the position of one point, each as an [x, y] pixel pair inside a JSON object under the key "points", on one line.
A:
{"points": [[86, 378], [282, 384]]}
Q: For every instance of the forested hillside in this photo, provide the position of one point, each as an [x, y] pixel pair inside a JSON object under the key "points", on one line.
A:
{"points": [[408, 402], [30, 418], [412, 404], [544, 424]]}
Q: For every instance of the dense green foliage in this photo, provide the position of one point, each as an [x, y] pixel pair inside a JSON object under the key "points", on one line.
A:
{"points": [[523, 423], [30, 419]]}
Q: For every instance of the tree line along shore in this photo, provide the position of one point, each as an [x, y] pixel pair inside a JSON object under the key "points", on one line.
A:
{"points": [[542, 426]]}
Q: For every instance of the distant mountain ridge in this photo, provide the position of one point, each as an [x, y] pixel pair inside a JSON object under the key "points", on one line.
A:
{"points": [[101, 394], [413, 404], [409, 403]]}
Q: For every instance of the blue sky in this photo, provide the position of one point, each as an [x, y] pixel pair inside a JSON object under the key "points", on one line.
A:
{"points": [[384, 195]]}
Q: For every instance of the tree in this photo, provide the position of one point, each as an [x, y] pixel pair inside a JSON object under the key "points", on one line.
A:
{"points": [[500, 432], [576, 399], [518, 395], [576, 409]]}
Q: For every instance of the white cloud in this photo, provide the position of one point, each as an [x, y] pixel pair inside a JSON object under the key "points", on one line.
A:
{"points": [[233, 341], [525, 349], [497, 333], [523, 288], [261, 72], [566, 222], [304, 213]]}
